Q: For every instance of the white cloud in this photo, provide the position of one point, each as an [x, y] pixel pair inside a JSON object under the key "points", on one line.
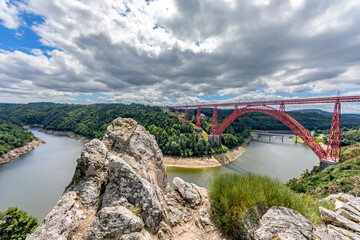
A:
{"points": [[136, 51], [9, 14]]}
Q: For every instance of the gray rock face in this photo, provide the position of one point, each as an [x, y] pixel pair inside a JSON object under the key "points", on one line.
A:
{"points": [[118, 192], [126, 138], [338, 220], [62, 220], [344, 223], [284, 223], [113, 222], [124, 182], [188, 192]]}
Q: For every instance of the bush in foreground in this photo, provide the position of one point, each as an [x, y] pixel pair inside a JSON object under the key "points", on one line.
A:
{"points": [[15, 224], [236, 199]]}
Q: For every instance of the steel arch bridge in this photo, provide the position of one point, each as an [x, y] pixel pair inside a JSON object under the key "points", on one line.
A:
{"points": [[294, 125], [332, 154]]}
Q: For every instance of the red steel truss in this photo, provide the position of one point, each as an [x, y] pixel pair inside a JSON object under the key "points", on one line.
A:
{"points": [[294, 125], [214, 122], [186, 116], [334, 144], [176, 112], [278, 102], [198, 118], [282, 106]]}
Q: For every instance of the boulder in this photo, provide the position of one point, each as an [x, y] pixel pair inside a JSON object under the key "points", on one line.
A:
{"points": [[112, 223], [284, 223], [125, 183], [340, 199], [336, 219], [188, 193], [130, 141], [340, 231]]}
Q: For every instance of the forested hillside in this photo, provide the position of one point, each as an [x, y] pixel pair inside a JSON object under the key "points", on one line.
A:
{"points": [[13, 136], [173, 136]]}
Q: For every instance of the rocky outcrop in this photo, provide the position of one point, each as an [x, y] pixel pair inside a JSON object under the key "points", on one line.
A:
{"points": [[17, 152], [284, 223], [120, 191]]}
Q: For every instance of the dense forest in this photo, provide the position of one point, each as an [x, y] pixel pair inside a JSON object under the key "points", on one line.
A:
{"points": [[13, 136], [173, 136]]}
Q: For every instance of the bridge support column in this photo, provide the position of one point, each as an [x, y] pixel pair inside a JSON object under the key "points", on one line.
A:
{"points": [[325, 163], [198, 120], [186, 116], [214, 122], [214, 140], [166, 110], [176, 112], [334, 145]]}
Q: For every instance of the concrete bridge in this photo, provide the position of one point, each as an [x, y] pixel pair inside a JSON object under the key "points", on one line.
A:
{"points": [[258, 135], [328, 157]]}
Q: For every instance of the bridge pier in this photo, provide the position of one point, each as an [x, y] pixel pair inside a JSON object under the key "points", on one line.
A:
{"points": [[186, 116], [325, 163], [166, 110], [214, 140]]}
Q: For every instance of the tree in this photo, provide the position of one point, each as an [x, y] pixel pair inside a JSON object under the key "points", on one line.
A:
{"points": [[15, 224]]}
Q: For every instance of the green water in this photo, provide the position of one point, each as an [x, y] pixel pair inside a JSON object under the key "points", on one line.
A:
{"points": [[35, 181], [282, 160]]}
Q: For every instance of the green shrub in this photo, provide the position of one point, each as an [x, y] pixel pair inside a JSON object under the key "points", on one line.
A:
{"points": [[16, 224], [299, 187], [346, 167], [235, 196], [346, 186], [314, 178], [327, 204]]}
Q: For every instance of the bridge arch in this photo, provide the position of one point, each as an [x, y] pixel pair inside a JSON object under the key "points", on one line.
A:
{"points": [[294, 125]]}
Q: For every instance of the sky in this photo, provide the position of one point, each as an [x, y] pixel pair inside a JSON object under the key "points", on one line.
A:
{"points": [[170, 52]]}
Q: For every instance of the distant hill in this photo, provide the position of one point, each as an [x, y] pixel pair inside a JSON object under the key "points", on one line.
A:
{"points": [[313, 111], [345, 117]]}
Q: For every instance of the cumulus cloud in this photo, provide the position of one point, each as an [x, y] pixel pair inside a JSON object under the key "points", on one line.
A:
{"points": [[157, 51], [9, 14]]}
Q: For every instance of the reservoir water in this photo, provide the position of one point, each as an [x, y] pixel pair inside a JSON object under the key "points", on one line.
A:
{"points": [[282, 160], [35, 181]]}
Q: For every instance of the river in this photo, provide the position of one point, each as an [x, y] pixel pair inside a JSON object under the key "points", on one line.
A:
{"points": [[282, 160], [35, 181]]}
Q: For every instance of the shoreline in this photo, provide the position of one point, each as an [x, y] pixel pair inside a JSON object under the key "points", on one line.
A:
{"points": [[323, 145], [173, 161], [70, 134], [17, 152], [207, 161]]}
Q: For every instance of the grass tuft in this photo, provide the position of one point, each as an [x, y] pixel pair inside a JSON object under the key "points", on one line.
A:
{"points": [[235, 198]]}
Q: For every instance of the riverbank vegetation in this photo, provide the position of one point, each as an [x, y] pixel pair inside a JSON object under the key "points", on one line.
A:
{"points": [[13, 136], [342, 177], [16, 224], [239, 199]]}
